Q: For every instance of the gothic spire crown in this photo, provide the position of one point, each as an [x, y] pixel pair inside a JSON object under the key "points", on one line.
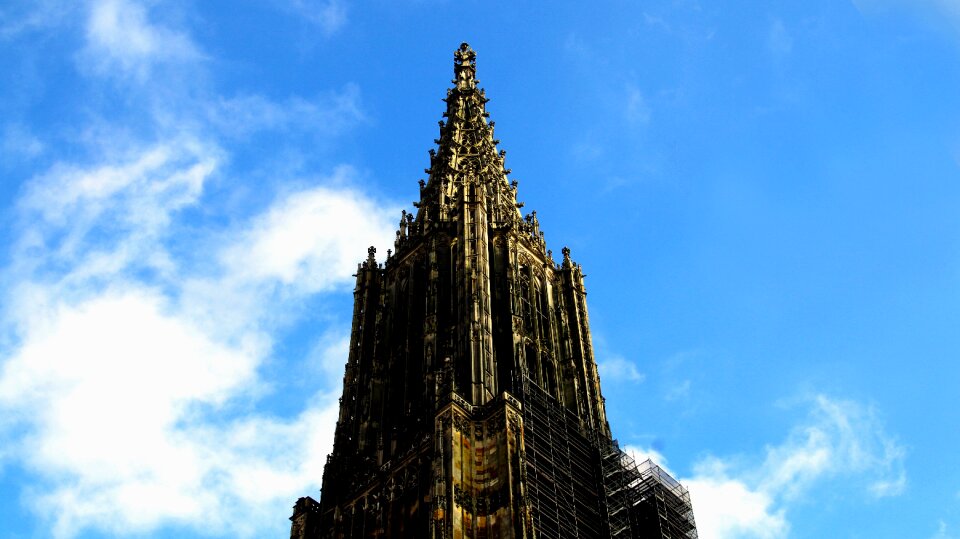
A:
{"points": [[465, 167]]}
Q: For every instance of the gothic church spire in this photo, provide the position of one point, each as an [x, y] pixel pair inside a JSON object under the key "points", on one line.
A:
{"points": [[471, 399]]}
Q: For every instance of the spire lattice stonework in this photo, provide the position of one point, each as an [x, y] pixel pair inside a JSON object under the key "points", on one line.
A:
{"points": [[471, 401]]}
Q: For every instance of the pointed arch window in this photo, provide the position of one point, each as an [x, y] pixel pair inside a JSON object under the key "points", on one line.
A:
{"points": [[541, 313], [523, 296]]}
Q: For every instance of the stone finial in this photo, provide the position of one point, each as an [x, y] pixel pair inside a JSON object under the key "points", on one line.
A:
{"points": [[465, 56], [566, 256], [465, 67], [372, 255]]}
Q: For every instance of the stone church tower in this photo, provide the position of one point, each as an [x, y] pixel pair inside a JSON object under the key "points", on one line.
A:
{"points": [[471, 403]]}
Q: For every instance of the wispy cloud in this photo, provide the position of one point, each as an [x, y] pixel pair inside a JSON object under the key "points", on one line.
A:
{"points": [[840, 438], [679, 390], [641, 454], [330, 113], [936, 12], [942, 532], [656, 22], [17, 18], [122, 39], [329, 15], [749, 498], [637, 109], [615, 369], [779, 41], [16, 142]]}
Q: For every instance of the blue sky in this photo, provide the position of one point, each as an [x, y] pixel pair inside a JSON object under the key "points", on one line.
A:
{"points": [[764, 195]]}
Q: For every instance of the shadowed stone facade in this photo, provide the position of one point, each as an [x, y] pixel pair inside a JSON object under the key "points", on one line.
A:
{"points": [[471, 402]]}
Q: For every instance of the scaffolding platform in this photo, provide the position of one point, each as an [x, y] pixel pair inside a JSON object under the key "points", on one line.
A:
{"points": [[581, 485]]}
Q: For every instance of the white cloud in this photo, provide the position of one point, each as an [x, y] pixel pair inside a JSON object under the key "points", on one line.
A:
{"points": [[309, 238], [120, 399], [142, 188], [130, 407], [18, 18], [122, 38], [744, 498], [243, 115], [641, 454], [617, 369], [935, 12], [949, 8], [329, 15], [18, 142], [727, 508], [128, 385], [841, 438], [329, 354], [679, 390], [637, 109], [778, 39], [120, 335], [656, 22], [942, 532], [137, 325], [98, 221], [587, 149]]}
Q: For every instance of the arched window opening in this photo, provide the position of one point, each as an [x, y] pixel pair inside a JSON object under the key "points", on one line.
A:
{"points": [[550, 378], [533, 364], [523, 293]]}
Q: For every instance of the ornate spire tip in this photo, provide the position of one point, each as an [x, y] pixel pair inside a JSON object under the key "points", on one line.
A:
{"points": [[465, 67], [465, 56]]}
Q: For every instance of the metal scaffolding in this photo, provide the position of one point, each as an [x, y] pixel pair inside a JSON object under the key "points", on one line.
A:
{"points": [[562, 469], [643, 500], [580, 484]]}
